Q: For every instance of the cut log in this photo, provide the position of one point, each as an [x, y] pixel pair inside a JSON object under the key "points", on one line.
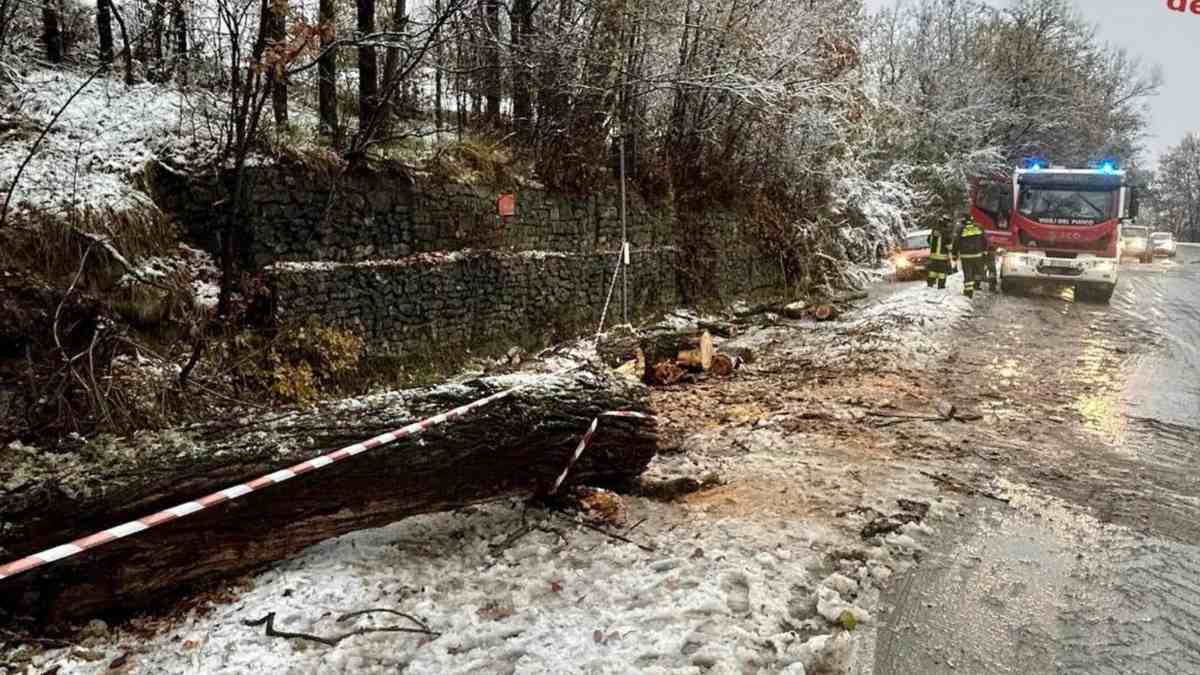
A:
{"points": [[824, 312], [795, 310], [722, 365], [655, 348], [667, 373], [743, 354], [700, 357], [514, 446]]}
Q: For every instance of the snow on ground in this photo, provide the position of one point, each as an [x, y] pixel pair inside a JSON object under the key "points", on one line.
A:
{"points": [[105, 136], [905, 323], [755, 575], [719, 595]]}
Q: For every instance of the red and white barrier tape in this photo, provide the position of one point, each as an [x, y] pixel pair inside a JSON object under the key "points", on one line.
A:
{"points": [[587, 438], [237, 491]]}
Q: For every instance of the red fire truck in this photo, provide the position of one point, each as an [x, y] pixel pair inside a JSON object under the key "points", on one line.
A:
{"points": [[1058, 225]]}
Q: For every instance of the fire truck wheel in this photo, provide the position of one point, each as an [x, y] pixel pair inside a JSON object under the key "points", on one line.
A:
{"points": [[1098, 293]]}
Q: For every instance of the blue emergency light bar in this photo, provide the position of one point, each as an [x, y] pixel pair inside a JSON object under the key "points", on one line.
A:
{"points": [[1036, 163]]}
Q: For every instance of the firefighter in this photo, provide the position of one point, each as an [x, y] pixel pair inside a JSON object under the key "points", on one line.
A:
{"points": [[989, 263], [970, 246], [940, 242]]}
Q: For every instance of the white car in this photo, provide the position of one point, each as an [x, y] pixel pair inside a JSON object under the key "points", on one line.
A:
{"points": [[1163, 244], [1135, 243]]}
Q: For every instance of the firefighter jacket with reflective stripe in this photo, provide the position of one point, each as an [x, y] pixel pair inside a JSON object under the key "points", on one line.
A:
{"points": [[938, 248], [971, 242]]}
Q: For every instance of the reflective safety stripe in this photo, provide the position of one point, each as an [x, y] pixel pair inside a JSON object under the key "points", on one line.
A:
{"points": [[938, 256], [971, 256]]}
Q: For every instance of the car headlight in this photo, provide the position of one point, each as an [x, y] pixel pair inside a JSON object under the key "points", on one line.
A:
{"points": [[902, 262]]}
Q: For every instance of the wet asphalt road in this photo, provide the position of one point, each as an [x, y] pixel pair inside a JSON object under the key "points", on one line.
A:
{"points": [[1094, 566]]}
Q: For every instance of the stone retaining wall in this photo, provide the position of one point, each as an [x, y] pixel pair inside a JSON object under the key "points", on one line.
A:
{"points": [[422, 264], [467, 299]]}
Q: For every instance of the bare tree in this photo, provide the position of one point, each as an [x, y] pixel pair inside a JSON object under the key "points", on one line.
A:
{"points": [[522, 36], [126, 52], [52, 37], [157, 25], [104, 28], [491, 60], [391, 63], [368, 76], [250, 88], [327, 70], [1177, 189], [179, 30], [438, 66], [279, 89]]}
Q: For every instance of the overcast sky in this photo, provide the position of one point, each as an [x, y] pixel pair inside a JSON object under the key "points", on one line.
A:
{"points": [[1160, 36]]}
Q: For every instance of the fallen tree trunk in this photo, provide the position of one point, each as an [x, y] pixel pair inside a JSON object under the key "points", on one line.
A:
{"points": [[514, 446]]}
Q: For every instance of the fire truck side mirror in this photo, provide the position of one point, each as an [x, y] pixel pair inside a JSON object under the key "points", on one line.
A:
{"points": [[1133, 202]]}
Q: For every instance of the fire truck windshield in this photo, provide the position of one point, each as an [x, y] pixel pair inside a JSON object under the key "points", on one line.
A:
{"points": [[1067, 206]]}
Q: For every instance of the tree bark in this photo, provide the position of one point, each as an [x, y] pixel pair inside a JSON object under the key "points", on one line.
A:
{"points": [[179, 29], [515, 446], [279, 87], [127, 52], [104, 28], [522, 35], [391, 67], [327, 71], [368, 76], [491, 61], [439, 64], [52, 31], [157, 12]]}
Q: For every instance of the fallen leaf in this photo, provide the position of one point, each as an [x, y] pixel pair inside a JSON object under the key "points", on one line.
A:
{"points": [[598, 636], [119, 662], [555, 587]]}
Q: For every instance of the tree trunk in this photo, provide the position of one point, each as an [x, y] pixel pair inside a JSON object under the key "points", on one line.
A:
{"points": [[514, 446], [279, 87], [52, 31], [491, 61], [327, 71], [391, 69], [439, 64], [179, 26], [522, 34], [157, 10], [127, 52], [368, 76], [104, 28]]}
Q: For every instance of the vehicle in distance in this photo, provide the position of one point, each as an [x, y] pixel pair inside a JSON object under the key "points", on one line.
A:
{"points": [[912, 260], [1135, 243], [1163, 244]]}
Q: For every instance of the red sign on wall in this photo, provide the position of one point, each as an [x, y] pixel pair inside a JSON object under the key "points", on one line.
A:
{"points": [[506, 204]]}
